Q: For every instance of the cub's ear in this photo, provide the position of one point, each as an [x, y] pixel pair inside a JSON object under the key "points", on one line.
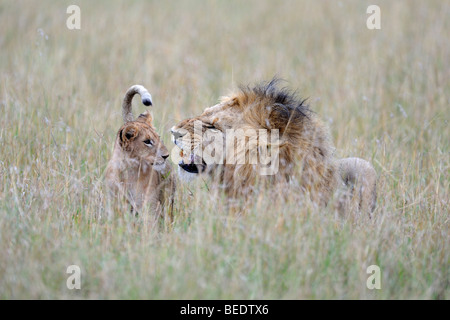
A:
{"points": [[145, 117], [127, 134]]}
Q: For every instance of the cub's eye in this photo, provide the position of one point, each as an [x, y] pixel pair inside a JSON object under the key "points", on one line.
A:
{"points": [[148, 142]]}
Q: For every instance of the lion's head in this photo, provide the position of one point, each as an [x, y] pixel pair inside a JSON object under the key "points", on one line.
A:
{"points": [[141, 145], [246, 127]]}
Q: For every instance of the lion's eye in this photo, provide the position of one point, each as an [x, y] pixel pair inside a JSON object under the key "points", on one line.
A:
{"points": [[148, 142]]}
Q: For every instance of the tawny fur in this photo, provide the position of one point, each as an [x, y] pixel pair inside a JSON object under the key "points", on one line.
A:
{"points": [[138, 169], [305, 147], [360, 178]]}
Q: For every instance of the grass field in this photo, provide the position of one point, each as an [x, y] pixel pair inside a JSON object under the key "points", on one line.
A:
{"points": [[384, 94]]}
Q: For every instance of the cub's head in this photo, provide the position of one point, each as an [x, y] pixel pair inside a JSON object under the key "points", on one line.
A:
{"points": [[141, 144]]}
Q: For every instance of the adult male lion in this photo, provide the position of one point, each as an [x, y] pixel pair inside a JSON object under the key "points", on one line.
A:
{"points": [[267, 118]]}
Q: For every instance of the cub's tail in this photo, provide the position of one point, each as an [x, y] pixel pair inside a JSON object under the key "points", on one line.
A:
{"points": [[146, 98]]}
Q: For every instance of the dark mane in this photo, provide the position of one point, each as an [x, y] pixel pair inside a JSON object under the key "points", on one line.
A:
{"points": [[287, 109], [283, 96]]}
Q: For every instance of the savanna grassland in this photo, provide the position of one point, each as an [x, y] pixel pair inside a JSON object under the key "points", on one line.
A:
{"points": [[384, 94]]}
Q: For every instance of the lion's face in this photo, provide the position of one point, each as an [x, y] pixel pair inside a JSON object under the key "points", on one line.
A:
{"points": [[196, 136], [141, 144]]}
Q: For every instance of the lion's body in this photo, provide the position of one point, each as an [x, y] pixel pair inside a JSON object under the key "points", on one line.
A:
{"points": [[305, 149], [138, 169]]}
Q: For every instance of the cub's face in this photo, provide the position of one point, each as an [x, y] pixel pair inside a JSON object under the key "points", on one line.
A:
{"points": [[141, 144]]}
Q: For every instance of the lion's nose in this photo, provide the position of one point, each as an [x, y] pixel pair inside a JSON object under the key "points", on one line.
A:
{"points": [[177, 134], [165, 156]]}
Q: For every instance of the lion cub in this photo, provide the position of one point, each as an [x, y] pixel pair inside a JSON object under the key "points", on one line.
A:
{"points": [[139, 169]]}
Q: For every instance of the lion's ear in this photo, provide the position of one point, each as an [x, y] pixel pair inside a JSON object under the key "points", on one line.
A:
{"points": [[230, 100], [146, 117], [127, 134]]}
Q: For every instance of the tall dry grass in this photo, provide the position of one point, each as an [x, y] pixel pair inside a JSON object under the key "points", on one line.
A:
{"points": [[384, 93]]}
